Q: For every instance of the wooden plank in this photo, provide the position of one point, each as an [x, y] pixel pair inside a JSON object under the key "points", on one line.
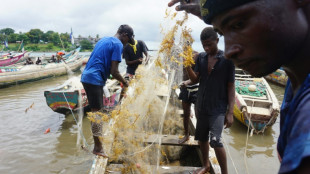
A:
{"points": [[170, 140], [259, 111], [215, 167], [116, 169], [99, 163]]}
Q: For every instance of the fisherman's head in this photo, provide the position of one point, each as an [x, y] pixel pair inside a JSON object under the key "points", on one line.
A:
{"points": [[260, 35], [126, 34], [209, 40]]}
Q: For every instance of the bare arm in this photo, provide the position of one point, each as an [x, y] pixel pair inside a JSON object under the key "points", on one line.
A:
{"points": [[115, 73], [146, 57], [194, 77], [133, 62], [231, 101]]}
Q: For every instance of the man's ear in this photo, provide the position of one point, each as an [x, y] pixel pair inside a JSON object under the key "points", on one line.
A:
{"points": [[302, 3]]}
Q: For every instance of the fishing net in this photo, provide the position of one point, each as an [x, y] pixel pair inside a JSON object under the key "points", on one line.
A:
{"points": [[242, 87], [149, 106]]}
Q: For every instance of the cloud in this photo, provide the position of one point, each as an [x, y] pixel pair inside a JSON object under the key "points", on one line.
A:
{"points": [[90, 17]]}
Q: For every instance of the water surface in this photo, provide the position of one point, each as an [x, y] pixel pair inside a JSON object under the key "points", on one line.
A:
{"points": [[24, 148]]}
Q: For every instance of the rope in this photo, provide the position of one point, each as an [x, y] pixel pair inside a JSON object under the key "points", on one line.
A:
{"points": [[230, 155], [145, 147], [81, 132], [247, 138]]}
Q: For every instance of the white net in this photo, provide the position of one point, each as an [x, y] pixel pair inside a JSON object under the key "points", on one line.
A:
{"points": [[149, 106]]}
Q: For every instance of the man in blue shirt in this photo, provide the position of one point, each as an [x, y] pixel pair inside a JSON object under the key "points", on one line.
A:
{"points": [[260, 37], [104, 61]]}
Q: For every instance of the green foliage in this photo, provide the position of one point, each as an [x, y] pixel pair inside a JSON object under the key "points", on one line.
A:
{"points": [[13, 38], [7, 31], [2, 38], [50, 46], [32, 47], [37, 40], [24, 38], [86, 45], [35, 35]]}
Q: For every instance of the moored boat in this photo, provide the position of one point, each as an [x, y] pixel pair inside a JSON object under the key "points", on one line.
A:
{"points": [[256, 105], [278, 77], [11, 75], [71, 96], [10, 60]]}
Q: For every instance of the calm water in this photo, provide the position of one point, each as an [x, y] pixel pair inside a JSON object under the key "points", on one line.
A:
{"points": [[261, 149], [24, 148]]}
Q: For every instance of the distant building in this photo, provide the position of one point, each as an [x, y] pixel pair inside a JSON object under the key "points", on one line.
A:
{"points": [[92, 40]]}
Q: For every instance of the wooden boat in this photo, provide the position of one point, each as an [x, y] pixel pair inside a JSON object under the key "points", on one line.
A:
{"points": [[11, 75], [7, 60], [278, 77], [5, 55], [71, 96], [257, 108], [47, 59], [101, 165]]}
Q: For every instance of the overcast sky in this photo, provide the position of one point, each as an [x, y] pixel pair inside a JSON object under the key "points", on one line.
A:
{"points": [[91, 17]]}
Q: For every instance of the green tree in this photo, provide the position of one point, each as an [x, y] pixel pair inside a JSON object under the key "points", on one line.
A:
{"points": [[86, 45], [13, 38], [7, 31], [23, 37], [35, 35], [48, 36], [55, 39], [2, 38]]}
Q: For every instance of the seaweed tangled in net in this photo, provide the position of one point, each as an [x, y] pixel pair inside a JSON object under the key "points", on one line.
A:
{"points": [[143, 109]]}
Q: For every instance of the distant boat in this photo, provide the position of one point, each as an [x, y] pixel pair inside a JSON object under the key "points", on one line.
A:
{"points": [[256, 105], [10, 60], [71, 96], [11, 75], [278, 77]]}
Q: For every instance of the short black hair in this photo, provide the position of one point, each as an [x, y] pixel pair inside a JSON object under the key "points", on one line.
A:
{"points": [[125, 29], [208, 33]]}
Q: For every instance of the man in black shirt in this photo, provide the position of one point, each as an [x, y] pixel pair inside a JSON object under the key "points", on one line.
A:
{"points": [[215, 97], [133, 54]]}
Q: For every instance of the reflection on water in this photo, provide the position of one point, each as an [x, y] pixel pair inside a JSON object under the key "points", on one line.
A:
{"points": [[24, 148]]}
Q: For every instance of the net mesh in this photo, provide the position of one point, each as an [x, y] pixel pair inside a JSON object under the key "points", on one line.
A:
{"points": [[242, 87], [143, 111]]}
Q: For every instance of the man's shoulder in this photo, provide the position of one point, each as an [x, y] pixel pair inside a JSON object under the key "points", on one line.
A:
{"points": [[127, 47], [140, 41], [106, 40], [304, 100], [201, 55]]}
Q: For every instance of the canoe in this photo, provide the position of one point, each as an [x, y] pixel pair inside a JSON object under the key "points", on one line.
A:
{"points": [[11, 75], [5, 61], [278, 77], [258, 107], [71, 96]]}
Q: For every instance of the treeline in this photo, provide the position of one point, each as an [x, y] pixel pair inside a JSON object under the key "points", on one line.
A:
{"points": [[35, 37]]}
